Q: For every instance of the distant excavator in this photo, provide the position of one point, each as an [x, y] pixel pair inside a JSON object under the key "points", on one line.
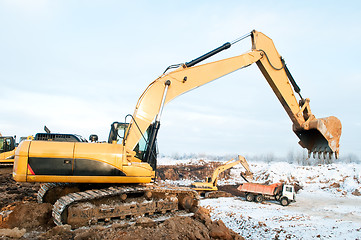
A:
{"points": [[7, 149], [8, 144], [210, 183], [84, 171]]}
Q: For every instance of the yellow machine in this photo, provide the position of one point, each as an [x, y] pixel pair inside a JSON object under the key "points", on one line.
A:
{"points": [[7, 149], [130, 154], [8, 144], [210, 183]]}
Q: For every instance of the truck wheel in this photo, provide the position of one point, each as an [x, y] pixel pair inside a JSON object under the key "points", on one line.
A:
{"points": [[259, 198], [249, 197], [284, 201]]}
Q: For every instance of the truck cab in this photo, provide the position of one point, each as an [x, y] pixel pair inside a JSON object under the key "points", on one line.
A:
{"points": [[288, 195]]}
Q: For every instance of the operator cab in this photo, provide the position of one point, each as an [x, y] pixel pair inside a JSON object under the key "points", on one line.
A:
{"points": [[117, 134], [7, 144]]}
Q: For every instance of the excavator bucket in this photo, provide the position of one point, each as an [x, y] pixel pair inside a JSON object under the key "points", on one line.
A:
{"points": [[322, 137], [247, 176]]}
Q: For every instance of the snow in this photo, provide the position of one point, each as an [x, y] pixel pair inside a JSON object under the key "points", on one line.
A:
{"points": [[164, 160], [311, 178], [325, 207], [268, 220]]}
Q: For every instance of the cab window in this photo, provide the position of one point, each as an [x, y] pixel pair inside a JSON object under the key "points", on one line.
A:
{"points": [[1, 145], [141, 146], [121, 132]]}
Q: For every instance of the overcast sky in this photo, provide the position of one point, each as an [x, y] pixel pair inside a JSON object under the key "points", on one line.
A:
{"points": [[78, 66]]}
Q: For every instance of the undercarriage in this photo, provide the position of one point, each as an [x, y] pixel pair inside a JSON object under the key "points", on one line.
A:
{"points": [[84, 205]]}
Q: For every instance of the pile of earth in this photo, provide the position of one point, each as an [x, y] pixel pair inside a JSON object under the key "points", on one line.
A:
{"points": [[33, 221], [192, 172], [21, 217], [12, 191]]}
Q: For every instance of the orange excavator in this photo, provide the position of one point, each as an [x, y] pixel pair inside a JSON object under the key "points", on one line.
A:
{"points": [[97, 182]]}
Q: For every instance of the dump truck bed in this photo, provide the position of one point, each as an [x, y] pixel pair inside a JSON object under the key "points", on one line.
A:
{"points": [[260, 188]]}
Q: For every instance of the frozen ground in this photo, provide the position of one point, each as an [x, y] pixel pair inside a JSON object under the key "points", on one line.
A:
{"points": [[327, 207], [313, 216]]}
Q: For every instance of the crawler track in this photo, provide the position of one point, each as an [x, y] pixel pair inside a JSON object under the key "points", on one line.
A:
{"points": [[115, 203]]}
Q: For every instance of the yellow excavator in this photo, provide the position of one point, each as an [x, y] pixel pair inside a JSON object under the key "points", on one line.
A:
{"points": [[8, 143], [97, 182], [210, 183], [7, 149]]}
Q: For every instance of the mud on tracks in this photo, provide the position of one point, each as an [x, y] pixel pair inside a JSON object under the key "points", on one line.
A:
{"points": [[31, 220]]}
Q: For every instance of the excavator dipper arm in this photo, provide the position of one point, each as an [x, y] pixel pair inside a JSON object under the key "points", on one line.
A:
{"points": [[320, 136]]}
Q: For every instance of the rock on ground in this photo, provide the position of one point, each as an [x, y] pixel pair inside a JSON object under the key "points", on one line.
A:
{"points": [[30, 216], [12, 233]]}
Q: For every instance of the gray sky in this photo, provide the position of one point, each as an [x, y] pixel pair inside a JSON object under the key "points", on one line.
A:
{"points": [[77, 66]]}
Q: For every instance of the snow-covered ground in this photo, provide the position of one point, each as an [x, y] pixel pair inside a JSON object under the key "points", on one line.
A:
{"points": [[326, 208]]}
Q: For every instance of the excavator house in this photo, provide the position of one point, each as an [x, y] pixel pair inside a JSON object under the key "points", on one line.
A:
{"points": [[103, 182]]}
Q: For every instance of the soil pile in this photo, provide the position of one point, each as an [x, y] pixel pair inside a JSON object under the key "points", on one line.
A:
{"points": [[200, 226], [37, 224], [30, 216], [12, 191], [192, 172], [21, 217]]}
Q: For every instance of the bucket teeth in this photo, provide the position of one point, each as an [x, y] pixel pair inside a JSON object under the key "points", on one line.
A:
{"points": [[321, 136], [323, 154]]}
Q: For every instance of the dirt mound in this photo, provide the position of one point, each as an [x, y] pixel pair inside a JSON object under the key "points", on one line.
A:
{"points": [[193, 172], [200, 226], [30, 216], [30, 220], [232, 189], [27, 219], [12, 191], [218, 194], [12, 233]]}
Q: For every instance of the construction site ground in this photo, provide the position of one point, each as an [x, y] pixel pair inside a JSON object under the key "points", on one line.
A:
{"points": [[327, 200], [21, 217], [327, 207]]}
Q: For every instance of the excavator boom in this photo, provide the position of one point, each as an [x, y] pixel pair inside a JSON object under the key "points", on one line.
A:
{"points": [[317, 135], [241, 160]]}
